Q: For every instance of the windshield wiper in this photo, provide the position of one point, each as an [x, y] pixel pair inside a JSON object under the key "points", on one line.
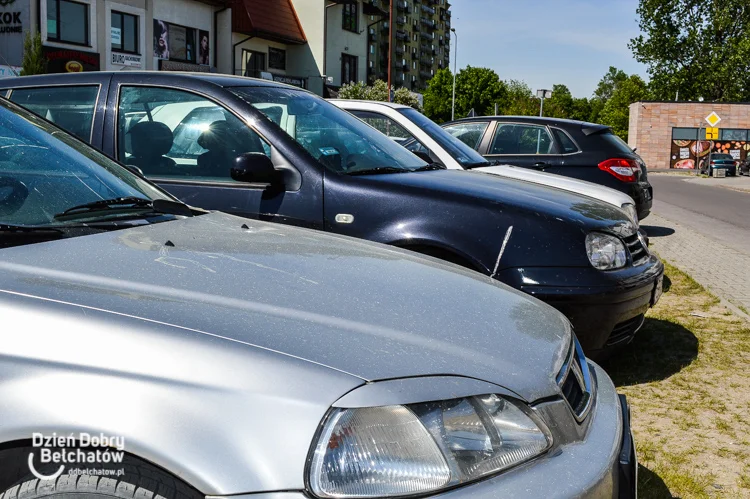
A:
{"points": [[157, 205], [379, 169], [29, 228], [431, 166]]}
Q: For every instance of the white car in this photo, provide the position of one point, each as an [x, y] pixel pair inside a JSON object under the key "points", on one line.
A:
{"points": [[422, 135]]}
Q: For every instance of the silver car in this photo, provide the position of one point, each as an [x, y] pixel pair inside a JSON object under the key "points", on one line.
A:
{"points": [[151, 349]]}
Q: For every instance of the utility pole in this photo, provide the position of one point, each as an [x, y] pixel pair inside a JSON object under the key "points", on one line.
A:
{"points": [[455, 68], [543, 94], [390, 49]]}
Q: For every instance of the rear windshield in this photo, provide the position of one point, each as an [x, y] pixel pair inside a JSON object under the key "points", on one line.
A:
{"points": [[616, 143], [722, 156]]}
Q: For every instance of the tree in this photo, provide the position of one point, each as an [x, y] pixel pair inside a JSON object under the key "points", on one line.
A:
{"points": [[438, 97], [616, 112], [696, 48], [479, 89], [607, 84], [560, 105], [519, 101], [378, 91], [34, 62]]}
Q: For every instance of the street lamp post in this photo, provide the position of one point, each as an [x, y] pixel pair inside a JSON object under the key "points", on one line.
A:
{"points": [[455, 68], [543, 94]]}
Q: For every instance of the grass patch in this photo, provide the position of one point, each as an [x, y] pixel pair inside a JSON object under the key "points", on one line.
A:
{"points": [[685, 376]]}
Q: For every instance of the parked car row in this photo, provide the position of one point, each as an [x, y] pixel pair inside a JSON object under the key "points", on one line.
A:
{"points": [[259, 357]]}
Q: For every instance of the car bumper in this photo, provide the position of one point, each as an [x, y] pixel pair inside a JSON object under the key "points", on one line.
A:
{"points": [[596, 467], [643, 195], [605, 308]]}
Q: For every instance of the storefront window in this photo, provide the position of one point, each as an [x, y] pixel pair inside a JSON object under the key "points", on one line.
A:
{"points": [[730, 134], [124, 32], [684, 133], [68, 22]]}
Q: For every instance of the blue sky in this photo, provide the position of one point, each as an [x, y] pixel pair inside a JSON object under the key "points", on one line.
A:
{"points": [[544, 42]]}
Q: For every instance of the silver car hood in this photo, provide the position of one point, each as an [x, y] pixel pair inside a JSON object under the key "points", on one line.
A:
{"points": [[365, 309]]}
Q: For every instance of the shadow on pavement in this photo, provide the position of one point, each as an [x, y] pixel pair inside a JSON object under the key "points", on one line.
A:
{"points": [[656, 231], [651, 486], [660, 349]]}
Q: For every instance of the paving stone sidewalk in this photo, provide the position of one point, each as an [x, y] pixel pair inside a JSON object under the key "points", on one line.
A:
{"points": [[723, 270]]}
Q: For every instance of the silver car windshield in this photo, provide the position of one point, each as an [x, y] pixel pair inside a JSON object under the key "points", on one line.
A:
{"points": [[335, 138], [45, 171]]}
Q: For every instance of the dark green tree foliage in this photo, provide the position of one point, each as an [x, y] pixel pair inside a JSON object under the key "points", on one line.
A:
{"points": [[34, 62], [478, 89], [520, 101], [439, 96], [699, 48], [608, 83], [616, 112]]}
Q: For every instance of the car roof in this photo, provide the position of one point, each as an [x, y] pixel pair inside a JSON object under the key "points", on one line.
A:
{"points": [[219, 79], [392, 105], [587, 127]]}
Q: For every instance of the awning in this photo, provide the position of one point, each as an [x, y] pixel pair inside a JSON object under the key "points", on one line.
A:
{"points": [[274, 20]]}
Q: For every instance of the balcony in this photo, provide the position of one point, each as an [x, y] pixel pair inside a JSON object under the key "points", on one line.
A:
{"points": [[402, 35], [429, 23], [375, 7], [428, 9], [402, 6], [405, 68], [425, 74], [399, 50], [401, 20]]}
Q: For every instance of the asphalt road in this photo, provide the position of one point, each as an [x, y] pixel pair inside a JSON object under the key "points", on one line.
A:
{"points": [[700, 204]]}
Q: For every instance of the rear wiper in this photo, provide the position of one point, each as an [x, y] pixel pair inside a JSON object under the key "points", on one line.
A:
{"points": [[379, 169], [157, 205]]}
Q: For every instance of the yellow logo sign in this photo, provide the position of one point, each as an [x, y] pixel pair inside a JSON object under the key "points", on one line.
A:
{"points": [[73, 67], [712, 133], [713, 119]]}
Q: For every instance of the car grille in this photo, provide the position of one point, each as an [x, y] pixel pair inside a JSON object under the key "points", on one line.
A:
{"points": [[625, 330], [574, 381], [638, 250]]}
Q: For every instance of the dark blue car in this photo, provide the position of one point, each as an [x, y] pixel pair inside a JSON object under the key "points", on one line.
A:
{"points": [[273, 152]]}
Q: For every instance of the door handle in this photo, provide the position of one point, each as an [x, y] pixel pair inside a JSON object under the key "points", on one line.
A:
{"points": [[541, 165]]}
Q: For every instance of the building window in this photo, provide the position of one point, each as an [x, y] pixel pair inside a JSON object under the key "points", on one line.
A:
{"points": [[276, 58], [254, 63], [68, 22], [181, 43], [685, 133], [350, 17], [348, 68], [730, 134], [124, 32]]}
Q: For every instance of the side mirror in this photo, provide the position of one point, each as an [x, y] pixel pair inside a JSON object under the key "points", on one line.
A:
{"points": [[255, 167], [135, 169]]}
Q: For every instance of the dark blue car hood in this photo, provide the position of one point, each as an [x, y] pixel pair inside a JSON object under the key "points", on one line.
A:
{"points": [[511, 194]]}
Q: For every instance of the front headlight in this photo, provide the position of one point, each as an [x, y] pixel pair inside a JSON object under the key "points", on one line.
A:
{"points": [[629, 208], [605, 252], [401, 450]]}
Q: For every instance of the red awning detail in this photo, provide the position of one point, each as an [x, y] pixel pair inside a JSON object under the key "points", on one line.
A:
{"points": [[274, 20]]}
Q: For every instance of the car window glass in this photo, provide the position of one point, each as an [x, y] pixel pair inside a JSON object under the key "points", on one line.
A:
{"points": [[172, 133], [521, 139], [384, 125], [468, 133], [52, 172], [567, 146], [70, 108]]}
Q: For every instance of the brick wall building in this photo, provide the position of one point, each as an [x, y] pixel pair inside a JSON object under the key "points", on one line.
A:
{"points": [[666, 133]]}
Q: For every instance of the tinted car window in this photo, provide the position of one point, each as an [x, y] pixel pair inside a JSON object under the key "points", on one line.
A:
{"points": [[616, 143], [521, 139], [172, 133], [335, 138], [44, 171], [567, 146], [468, 133], [384, 125], [71, 108]]}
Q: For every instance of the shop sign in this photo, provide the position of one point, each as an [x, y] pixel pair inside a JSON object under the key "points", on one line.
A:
{"points": [[9, 71], [116, 36], [291, 80], [15, 19], [129, 60], [70, 61]]}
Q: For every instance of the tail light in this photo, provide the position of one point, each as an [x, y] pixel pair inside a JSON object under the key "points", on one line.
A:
{"points": [[622, 169]]}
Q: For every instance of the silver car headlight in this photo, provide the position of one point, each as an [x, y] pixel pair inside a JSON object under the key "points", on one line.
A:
{"points": [[629, 208], [402, 450], [605, 252]]}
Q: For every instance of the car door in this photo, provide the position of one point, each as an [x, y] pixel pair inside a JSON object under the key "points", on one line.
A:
{"points": [[187, 142], [521, 144], [76, 107]]}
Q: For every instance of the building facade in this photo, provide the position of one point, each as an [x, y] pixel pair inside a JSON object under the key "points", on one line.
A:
{"points": [[673, 134]]}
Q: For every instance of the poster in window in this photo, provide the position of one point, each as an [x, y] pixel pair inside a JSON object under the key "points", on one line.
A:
{"points": [[161, 39], [276, 58], [204, 48], [177, 42]]}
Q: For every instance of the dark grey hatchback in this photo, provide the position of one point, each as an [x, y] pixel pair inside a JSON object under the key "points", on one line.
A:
{"points": [[273, 152], [577, 149]]}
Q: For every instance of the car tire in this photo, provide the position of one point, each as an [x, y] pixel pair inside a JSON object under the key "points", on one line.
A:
{"points": [[140, 481]]}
